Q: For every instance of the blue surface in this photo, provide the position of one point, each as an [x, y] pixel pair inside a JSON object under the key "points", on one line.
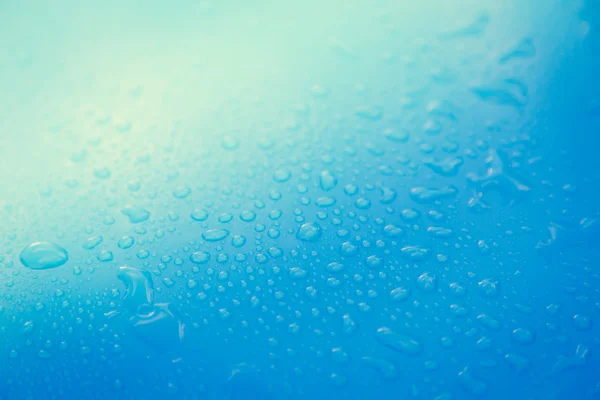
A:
{"points": [[290, 200]]}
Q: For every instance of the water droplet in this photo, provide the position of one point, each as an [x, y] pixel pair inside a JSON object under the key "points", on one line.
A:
{"points": [[410, 214], [351, 189], [28, 327], [489, 322], [199, 215], [102, 173], [507, 92], [135, 214], [297, 273], [238, 241], [309, 232], [43, 255], [282, 175], [105, 256], [348, 324], [248, 216], [325, 201], [427, 282], [230, 143], [400, 136], [200, 257], [393, 231], [398, 342], [416, 253], [423, 195], [92, 242], [335, 267], [446, 167], [181, 192], [524, 49], [327, 181], [489, 287], [387, 195], [126, 242], [363, 203], [400, 293], [582, 322], [523, 336], [214, 235]]}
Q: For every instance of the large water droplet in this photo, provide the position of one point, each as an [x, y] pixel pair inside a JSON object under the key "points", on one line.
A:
{"points": [[43, 255], [92, 242]]}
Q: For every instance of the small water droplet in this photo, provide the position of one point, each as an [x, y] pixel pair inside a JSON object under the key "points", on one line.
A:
{"points": [[214, 235]]}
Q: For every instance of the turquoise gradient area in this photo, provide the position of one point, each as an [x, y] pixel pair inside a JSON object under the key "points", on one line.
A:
{"points": [[288, 200]]}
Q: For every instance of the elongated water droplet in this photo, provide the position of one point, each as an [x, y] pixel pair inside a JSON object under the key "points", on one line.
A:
{"points": [[43, 255], [214, 235]]}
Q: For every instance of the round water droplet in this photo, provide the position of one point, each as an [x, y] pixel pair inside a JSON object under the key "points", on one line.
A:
{"points": [[126, 242], [410, 214], [248, 216], [199, 215], [427, 282], [363, 203], [238, 241], [282, 175], [348, 249], [335, 267], [400, 293], [181, 192], [351, 189], [200, 257], [309, 232]]}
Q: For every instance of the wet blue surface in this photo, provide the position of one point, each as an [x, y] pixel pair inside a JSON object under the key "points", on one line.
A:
{"points": [[268, 200]]}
